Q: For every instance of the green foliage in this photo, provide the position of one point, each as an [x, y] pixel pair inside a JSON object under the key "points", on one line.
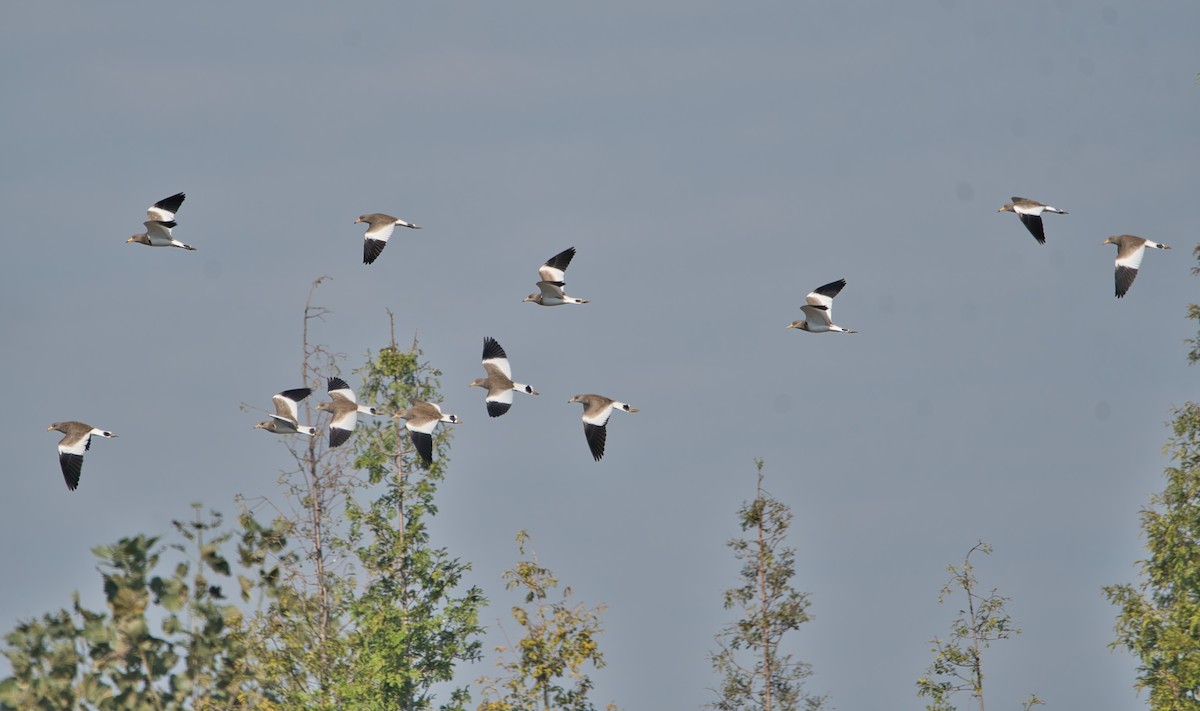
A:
{"points": [[339, 602], [85, 659], [1193, 313], [755, 674], [559, 639], [410, 627], [1159, 619], [958, 663]]}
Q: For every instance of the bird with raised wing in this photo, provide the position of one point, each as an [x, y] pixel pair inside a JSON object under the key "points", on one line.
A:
{"points": [[818, 309], [344, 408], [498, 383], [286, 418], [158, 227], [551, 285]]}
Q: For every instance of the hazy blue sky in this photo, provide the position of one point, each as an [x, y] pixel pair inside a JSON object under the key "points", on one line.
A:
{"points": [[712, 163]]}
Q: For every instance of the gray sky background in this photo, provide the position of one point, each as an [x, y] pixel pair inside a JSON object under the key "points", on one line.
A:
{"points": [[712, 163]]}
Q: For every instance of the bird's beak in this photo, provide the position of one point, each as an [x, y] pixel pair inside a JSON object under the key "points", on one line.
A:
{"points": [[128, 240], [50, 428], [357, 220]]}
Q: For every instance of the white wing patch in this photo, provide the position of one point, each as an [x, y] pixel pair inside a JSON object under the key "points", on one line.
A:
{"points": [[549, 273], [814, 313], [381, 232], [76, 448], [346, 421], [600, 417], [425, 426], [1132, 259], [504, 396], [500, 364]]}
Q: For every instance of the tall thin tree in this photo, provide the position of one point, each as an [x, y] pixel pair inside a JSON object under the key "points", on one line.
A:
{"points": [[958, 662], [755, 672]]}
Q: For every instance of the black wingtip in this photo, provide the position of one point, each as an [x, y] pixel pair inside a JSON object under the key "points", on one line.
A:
{"points": [[72, 467], [1034, 224], [492, 349], [831, 289], [596, 435], [171, 204], [372, 248], [338, 437], [1124, 280], [496, 409], [296, 394], [424, 444], [336, 384], [562, 260]]}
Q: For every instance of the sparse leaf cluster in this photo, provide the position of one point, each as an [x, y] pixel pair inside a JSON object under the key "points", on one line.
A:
{"points": [[544, 670], [958, 662]]}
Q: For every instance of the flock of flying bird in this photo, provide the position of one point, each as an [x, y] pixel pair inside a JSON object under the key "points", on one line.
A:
{"points": [[1130, 250], [421, 418]]}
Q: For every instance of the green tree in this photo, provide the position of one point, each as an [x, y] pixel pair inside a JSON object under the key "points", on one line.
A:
{"points": [[412, 625], [958, 663], [370, 614], [755, 673], [167, 641], [559, 639], [1159, 618]]}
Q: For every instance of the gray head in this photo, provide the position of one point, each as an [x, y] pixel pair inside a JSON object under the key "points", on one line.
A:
{"points": [[535, 298], [479, 383], [141, 239], [801, 325], [268, 425]]}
